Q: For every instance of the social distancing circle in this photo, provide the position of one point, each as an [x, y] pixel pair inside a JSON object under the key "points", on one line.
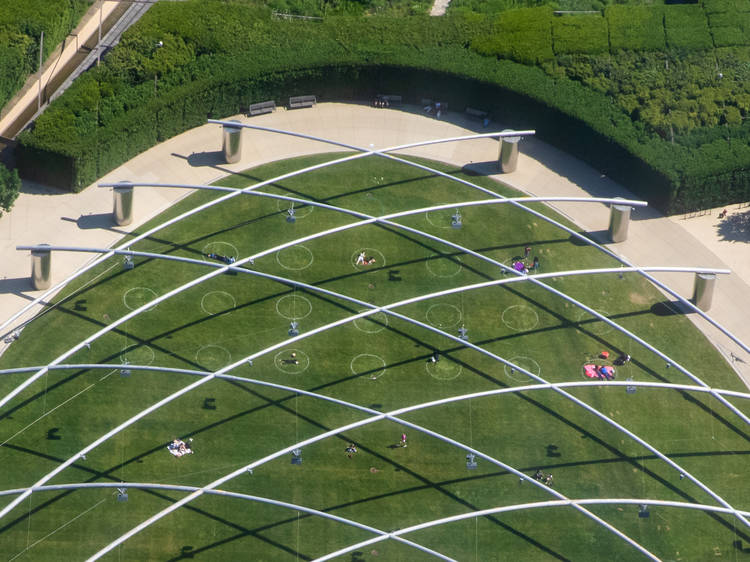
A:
{"points": [[295, 257], [221, 249], [135, 298], [369, 365], [441, 218], [441, 266], [293, 307], [215, 302], [443, 370], [372, 324], [137, 355], [520, 318], [213, 357], [369, 253], [299, 212], [291, 361], [524, 362], [443, 315]]}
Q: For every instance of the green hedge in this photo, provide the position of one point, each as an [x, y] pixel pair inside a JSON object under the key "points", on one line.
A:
{"points": [[686, 27], [639, 28], [580, 33], [142, 95], [21, 24]]}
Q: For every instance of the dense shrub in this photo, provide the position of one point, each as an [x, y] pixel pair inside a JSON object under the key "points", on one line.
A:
{"points": [[686, 27], [581, 33], [10, 186], [21, 24], [143, 94], [639, 28]]}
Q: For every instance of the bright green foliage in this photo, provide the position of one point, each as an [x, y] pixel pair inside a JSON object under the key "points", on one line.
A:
{"points": [[638, 28], [580, 33], [10, 186], [686, 27], [522, 35], [21, 24]]}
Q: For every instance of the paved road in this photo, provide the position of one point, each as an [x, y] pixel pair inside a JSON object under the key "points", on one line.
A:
{"points": [[84, 219]]}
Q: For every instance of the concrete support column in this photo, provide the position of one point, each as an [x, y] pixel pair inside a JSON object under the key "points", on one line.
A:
{"points": [[41, 269], [703, 290], [507, 159], [232, 143], [122, 209], [619, 220]]}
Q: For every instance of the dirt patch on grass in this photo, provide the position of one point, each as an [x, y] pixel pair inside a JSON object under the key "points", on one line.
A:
{"points": [[638, 298]]}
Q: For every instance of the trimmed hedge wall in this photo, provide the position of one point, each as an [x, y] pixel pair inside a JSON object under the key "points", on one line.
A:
{"points": [[143, 95]]}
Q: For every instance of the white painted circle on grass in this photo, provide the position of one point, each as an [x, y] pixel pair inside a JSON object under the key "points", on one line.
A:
{"points": [[140, 355], [443, 370], [295, 258], [136, 297], [220, 248], [369, 253], [291, 361], [299, 212], [593, 324], [444, 266], [293, 307], [366, 203], [443, 315], [525, 363], [441, 218], [520, 318], [215, 302], [369, 364], [213, 357], [372, 324]]}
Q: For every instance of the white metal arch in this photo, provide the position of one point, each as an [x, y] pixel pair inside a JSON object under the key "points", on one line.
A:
{"points": [[452, 205], [366, 313]]}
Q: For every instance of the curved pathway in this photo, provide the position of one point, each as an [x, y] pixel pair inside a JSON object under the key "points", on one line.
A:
{"points": [[42, 215]]}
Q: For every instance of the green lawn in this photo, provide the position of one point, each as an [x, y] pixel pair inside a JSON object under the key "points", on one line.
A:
{"points": [[381, 363]]}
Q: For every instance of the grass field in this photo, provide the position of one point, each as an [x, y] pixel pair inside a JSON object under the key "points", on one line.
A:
{"points": [[375, 364]]}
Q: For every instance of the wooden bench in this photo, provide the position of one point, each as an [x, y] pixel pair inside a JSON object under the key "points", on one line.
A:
{"points": [[261, 108], [478, 113], [390, 98], [296, 102]]}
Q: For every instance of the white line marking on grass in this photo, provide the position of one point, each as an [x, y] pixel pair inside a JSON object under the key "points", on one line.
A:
{"points": [[213, 295], [210, 359], [221, 248], [299, 212], [288, 251], [525, 363], [293, 306], [372, 320], [379, 262], [456, 267], [443, 370], [521, 319], [137, 355], [444, 312], [97, 504], [359, 359], [444, 214], [141, 295], [47, 413], [292, 361]]}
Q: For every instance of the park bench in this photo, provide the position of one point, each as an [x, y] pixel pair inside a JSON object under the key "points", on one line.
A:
{"points": [[478, 113], [392, 99], [296, 102], [261, 108]]}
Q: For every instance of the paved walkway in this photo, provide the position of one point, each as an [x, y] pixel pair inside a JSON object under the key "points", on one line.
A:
{"points": [[84, 219]]}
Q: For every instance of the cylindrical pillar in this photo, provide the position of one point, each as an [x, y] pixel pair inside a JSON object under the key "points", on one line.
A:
{"points": [[123, 203], [703, 290], [41, 277], [619, 220], [232, 145], [507, 158]]}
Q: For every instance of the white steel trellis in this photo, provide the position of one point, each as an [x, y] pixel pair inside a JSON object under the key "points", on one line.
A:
{"points": [[375, 152]]}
